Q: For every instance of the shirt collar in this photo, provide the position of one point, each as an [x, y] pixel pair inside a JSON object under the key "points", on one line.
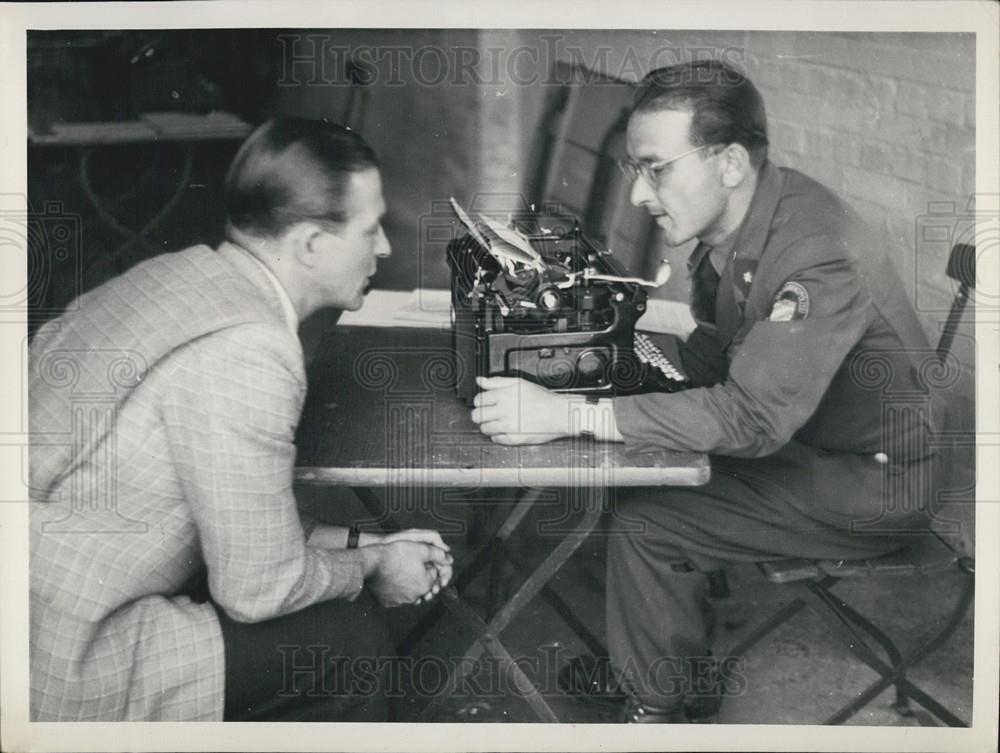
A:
{"points": [[720, 255], [287, 307]]}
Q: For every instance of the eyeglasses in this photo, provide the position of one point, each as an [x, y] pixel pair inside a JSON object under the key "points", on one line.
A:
{"points": [[650, 171]]}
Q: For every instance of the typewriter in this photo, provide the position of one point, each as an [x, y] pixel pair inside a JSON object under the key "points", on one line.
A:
{"points": [[546, 305]]}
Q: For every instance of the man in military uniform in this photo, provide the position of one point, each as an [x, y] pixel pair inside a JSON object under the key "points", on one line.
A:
{"points": [[803, 330]]}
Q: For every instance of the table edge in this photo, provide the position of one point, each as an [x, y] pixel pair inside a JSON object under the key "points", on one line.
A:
{"points": [[697, 474]]}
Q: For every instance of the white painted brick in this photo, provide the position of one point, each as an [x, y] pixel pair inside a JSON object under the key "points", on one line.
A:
{"points": [[767, 71], [892, 55], [954, 67], [945, 175], [911, 99], [838, 146], [836, 83], [816, 47], [905, 131], [968, 187], [816, 109], [933, 102], [890, 159], [933, 41], [948, 106], [951, 141], [870, 52], [878, 188], [880, 93], [788, 136]]}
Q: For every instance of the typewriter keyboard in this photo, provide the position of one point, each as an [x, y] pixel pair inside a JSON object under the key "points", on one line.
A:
{"points": [[648, 353]]}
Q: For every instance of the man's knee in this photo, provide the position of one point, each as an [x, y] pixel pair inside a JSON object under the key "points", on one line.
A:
{"points": [[642, 525]]}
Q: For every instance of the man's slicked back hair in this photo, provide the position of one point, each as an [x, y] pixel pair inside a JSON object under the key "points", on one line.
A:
{"points": [[726, 106], [293, 169]]}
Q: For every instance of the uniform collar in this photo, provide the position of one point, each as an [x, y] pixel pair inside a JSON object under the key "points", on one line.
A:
{"points": [[751, 236]]}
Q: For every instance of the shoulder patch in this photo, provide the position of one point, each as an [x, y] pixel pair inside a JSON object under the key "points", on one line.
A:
{"points": [[791, 302]]}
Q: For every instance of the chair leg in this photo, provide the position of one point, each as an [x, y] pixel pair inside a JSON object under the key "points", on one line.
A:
{"points": [[784, 614], [902, 704], [825, 605], [954, 620]]}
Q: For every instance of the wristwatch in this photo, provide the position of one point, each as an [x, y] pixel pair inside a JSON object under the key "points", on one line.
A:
{"points": [[353, 534], [590, 400]]}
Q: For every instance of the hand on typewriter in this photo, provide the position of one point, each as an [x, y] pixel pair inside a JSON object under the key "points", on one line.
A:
{"points": [[515, 411]]}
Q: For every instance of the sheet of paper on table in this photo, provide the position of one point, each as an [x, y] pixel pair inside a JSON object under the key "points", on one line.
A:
{"points": [[402, 308], [429, 307], [668, 317]]}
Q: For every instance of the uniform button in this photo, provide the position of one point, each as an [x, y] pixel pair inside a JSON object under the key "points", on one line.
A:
{"points": [[881, 457]]}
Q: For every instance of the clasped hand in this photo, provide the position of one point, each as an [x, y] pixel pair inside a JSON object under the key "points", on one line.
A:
{"points": [[515, 411], [414, 566]]}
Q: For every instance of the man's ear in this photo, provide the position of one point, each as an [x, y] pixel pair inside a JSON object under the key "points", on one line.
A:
{"points": [[736, 166], [300, 242]]}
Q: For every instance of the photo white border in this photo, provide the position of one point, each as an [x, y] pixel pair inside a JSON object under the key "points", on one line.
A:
{"points": [[967, 16]]}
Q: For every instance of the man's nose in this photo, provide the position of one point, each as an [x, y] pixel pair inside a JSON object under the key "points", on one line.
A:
{"points": [[641, 193], [383, 249]]}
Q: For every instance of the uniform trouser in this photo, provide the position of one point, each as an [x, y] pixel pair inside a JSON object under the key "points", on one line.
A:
{"points": [[663, 541], [332, 661]]}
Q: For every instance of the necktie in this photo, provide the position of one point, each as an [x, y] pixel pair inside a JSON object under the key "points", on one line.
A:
{"points": [[705, 284]]}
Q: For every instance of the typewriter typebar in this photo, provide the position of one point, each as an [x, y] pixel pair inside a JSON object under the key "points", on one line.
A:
{"points": [[551, 308]]}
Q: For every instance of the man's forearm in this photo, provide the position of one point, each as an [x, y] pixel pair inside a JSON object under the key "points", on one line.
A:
{"points": [[367, 557]]}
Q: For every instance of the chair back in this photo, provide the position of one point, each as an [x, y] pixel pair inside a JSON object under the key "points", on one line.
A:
{"points": [[961, 268]]}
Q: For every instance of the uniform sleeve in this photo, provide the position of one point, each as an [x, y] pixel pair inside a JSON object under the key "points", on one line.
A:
{"points": [[779, 370], [230, 411]]}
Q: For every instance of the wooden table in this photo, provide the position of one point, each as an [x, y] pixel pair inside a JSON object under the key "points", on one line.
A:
{"points": [[381, 412]]}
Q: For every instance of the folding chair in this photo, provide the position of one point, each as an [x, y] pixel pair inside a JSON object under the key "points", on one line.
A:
{"points": [[812, 580]]}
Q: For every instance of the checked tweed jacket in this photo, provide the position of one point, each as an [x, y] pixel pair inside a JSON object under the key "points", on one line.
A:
{"points": [[163, 407]]}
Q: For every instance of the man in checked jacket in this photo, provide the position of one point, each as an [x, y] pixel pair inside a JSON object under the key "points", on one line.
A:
{"points": [[163, 408], [804, 336]]}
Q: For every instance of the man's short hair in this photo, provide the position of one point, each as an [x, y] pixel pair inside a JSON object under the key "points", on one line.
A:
{"points": [[726, 105], [293, 169]]}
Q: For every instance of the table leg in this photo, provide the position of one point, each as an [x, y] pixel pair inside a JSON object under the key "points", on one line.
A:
{"points": [[374, 508], [481, 559], [487, 634]]}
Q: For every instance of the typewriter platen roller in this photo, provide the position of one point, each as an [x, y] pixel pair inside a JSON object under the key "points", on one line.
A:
{"points": [[547, 306]]}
